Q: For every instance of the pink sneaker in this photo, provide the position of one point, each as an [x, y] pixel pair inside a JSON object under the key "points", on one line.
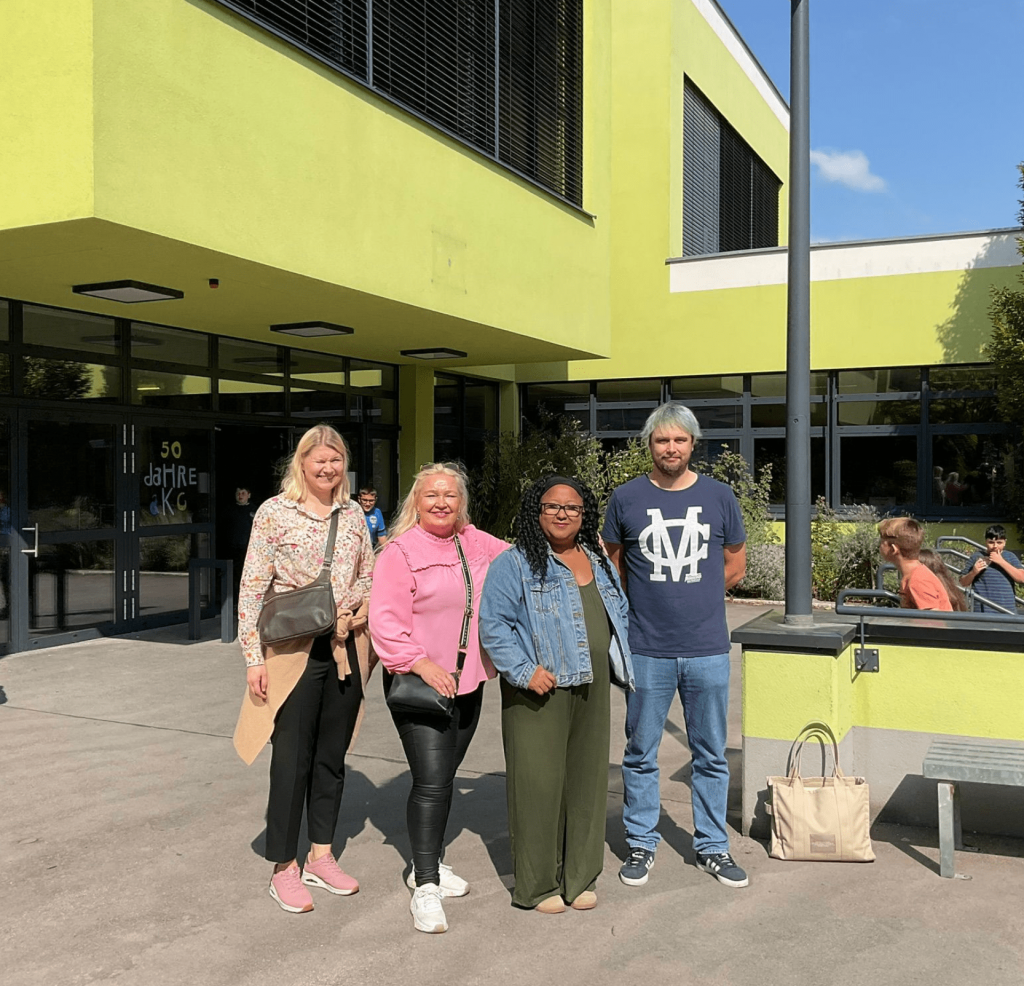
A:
{"points": [[287, 889], [328, 875]]}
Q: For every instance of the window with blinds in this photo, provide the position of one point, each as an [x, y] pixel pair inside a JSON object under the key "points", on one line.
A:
{"points": [[504, 76], [730, 196]]}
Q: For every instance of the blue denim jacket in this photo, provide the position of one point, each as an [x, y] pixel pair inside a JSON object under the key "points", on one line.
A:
{"points": [[526, 621]]}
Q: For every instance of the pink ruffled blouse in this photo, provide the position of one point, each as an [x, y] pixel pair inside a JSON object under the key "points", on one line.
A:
{"points": [[419, 597]]}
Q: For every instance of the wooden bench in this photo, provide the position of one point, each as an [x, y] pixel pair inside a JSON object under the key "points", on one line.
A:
{"points": [[953, 762]]}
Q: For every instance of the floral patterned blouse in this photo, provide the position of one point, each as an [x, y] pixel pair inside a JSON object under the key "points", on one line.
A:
{"points": [[287, 546]]}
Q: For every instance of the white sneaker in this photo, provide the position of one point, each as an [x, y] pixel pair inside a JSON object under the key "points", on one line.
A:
{"points": [[427, 912], [451, 884]]}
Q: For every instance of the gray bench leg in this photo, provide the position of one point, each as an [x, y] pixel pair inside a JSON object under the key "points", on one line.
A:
{"points": [[950, 832]]}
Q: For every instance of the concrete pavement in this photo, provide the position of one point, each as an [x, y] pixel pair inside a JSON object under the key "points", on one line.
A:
{"points": [[130, 832]]}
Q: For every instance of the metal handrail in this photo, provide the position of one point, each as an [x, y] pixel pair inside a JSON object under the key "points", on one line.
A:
{"points": [[914, 614]]}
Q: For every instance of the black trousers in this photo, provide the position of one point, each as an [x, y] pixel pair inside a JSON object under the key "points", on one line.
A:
{"points": [[435, 748], [312, 732]]}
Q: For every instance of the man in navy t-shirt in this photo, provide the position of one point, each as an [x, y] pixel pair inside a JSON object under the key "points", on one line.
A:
{"points": [[994, 572], [678, 541]]}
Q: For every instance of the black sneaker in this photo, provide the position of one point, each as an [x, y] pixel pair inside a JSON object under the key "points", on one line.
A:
{"points": [[633, 872], [723, 868]]}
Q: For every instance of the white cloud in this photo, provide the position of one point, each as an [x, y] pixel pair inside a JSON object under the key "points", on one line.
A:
{"points": [[849, 168]]}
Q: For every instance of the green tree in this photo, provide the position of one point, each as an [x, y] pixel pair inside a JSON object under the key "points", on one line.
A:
{"points": [[1006, 351]]}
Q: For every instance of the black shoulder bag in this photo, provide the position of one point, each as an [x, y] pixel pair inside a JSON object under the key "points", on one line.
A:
{"points": [[305, 612], [409, 693]]}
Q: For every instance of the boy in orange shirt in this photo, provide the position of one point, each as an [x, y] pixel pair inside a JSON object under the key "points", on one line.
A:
{"points": [[900, 545]]}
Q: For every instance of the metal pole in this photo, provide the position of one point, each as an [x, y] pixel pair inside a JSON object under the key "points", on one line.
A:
{"points": [[798, 329]]}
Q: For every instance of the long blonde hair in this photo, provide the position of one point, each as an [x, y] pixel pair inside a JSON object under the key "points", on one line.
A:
{"points": [[293, 482], [407, 516]]}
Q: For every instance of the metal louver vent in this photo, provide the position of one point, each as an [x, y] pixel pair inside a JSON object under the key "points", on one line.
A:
{"points": [[505, 76], [730, 196]]}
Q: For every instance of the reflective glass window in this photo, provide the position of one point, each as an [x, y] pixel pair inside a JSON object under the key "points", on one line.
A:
{"points": [[71, 475], [156, 342], [373, 410], [629, 390], [69, 380], [774, 384], [71, 587], [774, 415], [772, 452], [557, 399], [719, 416], [702, 388], [880, 381], [878, 412], [366, 375], [972, 471], [481, 405], [622, 419], [709, 450], [880, 470], [172, 468], [316, 369], [942, 378], [249, 397], [171, 390], [69, 330], [318, 403], [163, 573], [952, 410], [242, 356], [4, 321]]}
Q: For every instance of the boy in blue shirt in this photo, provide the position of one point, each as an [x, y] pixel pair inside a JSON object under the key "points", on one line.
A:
{"points": [[374, 518], [994, 572]]}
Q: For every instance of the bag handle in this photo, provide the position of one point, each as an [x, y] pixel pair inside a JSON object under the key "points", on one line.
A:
{"points": [[819, 730], [467, 616]]}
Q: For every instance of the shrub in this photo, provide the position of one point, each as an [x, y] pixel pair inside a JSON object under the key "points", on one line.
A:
{"points": [[844, 550], [766, 572]]}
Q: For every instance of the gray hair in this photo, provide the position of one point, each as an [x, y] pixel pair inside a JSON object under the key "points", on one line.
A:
{"points": [[671, 415]]}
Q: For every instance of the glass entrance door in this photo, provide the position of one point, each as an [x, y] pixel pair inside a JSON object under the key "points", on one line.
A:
{"points": [[66, 544]]}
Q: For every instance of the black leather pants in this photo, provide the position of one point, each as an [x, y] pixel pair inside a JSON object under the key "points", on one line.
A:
{"points": [[435, 748]]}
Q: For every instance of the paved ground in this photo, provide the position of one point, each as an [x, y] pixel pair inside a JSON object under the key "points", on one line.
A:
{"points": [[130, 829]]}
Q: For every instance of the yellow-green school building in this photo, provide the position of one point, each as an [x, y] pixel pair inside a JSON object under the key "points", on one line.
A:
{"points": [[224, 220]]}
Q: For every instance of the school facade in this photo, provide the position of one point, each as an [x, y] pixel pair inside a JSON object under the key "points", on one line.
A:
{"points": [[223, 220]]}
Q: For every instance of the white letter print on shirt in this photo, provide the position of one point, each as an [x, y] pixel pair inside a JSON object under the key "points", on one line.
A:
{"points": [[656, 544]]}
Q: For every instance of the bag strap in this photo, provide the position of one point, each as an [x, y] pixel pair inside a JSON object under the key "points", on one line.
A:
{"points": [[467, 617], [325, 568]]}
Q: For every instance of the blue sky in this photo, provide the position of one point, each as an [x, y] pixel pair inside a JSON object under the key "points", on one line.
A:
{"points": [[917, 112]]}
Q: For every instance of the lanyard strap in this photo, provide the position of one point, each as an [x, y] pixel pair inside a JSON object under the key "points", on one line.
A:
{"points": [[467, 617]]}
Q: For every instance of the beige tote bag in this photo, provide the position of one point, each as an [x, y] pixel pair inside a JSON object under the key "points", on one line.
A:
{"points": [[824, 818]]}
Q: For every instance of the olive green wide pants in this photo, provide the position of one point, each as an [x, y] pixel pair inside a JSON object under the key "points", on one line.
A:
{"points": [[556, 763]]}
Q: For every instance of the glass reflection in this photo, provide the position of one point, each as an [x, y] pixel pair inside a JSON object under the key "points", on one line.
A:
{"points": [[772, 452], [972, 470], [71, 587], [156, 342], [247, 397], [878, 412], [163, 573], [175, 391], [69, 330], [79, 495], [880, 381], [702, 388], [69, 380], [880, 471], [173, 473]]}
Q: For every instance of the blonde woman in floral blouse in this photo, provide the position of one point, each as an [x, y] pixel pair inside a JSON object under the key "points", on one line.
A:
{"points": [[306, 697]]}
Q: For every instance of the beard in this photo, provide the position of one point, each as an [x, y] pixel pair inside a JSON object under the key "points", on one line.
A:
{"points": [[672, 467]]}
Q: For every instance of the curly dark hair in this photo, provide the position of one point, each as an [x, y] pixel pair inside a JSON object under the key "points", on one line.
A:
{"points": [[530, 539]]}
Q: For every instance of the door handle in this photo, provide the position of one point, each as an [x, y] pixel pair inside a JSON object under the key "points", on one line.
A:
{"points": [[34, 550]]}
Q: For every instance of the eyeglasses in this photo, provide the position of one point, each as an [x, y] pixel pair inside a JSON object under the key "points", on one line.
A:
{"points": [[552, 509]]}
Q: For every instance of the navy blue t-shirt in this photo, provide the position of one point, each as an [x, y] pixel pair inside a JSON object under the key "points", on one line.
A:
{"points": [[673, 545]]}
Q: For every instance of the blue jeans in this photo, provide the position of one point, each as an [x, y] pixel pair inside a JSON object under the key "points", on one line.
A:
{"points": [[703, 686]]}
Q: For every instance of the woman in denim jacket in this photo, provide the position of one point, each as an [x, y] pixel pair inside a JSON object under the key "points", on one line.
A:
{"points": [[553, 619]]}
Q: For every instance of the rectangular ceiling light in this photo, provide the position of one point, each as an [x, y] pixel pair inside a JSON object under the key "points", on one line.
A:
{"points": [[128, 292], [311, 330], [435, 353]]}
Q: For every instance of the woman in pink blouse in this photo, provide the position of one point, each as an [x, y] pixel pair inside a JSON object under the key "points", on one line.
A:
{"points": [[306, 696], [416, 613]]}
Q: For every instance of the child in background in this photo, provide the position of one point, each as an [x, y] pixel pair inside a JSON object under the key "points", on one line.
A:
{"points": [[900, 545], [938, 566]]}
